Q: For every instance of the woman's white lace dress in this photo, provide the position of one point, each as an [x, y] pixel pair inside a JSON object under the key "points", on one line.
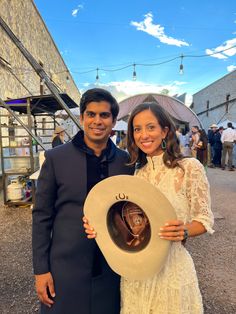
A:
{"points": [[175, 289]]}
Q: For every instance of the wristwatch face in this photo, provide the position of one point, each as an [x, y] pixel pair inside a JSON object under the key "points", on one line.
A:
{"points": [[128, 226]]}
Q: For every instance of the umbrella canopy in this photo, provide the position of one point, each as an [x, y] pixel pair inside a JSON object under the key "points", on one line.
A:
{"points": [[120, 126], [176, 108]]}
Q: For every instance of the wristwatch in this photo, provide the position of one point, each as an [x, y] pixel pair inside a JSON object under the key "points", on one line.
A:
{"points": [[185, 234]]}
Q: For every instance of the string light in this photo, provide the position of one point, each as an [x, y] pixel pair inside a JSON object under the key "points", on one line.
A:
{"points": [[97, 76], [5, 63], [181, 67], [134, 73]]}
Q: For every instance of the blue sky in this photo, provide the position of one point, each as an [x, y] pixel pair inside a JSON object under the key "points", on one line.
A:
{"points": [[110, 35]]}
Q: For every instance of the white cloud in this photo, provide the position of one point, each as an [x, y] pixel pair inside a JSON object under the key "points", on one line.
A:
{"points": [[178, 83], [86, 84], [124, 89], [225, 54], [157, 31], [75, 11], [216, 55], [231, 68]]}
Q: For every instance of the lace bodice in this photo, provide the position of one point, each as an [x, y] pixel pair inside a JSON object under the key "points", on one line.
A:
{"points": [[186, 188]]}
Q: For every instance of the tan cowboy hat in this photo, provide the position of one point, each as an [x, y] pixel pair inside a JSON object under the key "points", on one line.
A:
{"points": [[214, 125], [127, 213], [59, 129]]}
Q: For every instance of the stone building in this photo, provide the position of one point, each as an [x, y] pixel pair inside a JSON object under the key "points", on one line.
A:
{"points": [[26, 23], [216, 103], [17, 77]]}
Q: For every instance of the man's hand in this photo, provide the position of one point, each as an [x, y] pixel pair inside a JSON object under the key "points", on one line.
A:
{"points": [[43, 284]]}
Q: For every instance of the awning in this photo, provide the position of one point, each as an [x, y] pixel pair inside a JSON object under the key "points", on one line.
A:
{"points": [[41, 104]]}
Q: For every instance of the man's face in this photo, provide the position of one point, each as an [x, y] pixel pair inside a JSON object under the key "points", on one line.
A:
{"points": [[97, 122]]}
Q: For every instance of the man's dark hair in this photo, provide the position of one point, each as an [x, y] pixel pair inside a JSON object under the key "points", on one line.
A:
{"points": [[99, 94], [230, 125]]}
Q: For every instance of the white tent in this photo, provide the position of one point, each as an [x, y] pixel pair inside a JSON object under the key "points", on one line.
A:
{"points": [[120, 126], [225, 122], [178, 111]]}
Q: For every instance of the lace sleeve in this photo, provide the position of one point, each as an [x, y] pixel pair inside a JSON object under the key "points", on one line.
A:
{"points": [[198, 194]]}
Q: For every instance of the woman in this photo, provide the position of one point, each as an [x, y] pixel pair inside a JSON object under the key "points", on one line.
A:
{"points": [[153, 147], [202, 148], [58, 137]]}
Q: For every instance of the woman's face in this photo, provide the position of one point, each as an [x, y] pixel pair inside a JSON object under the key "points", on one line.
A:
{"points": [[148, 133]]}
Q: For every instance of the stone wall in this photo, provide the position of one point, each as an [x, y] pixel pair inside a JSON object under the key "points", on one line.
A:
{"points": [[26, 23], [220, 96]]}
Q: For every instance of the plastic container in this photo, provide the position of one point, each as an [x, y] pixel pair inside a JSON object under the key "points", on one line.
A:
{"points": [[14, 191]]}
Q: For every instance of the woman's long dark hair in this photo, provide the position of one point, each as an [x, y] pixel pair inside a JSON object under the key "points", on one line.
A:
{"points": [[172, 152]]}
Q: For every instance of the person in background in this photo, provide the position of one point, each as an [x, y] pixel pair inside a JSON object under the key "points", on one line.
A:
{"points": [[71, 273], [194, 140], [217, 147], [186, 136], [154, 149], [179, 134], [211, 132], [113, 136], [58, 137], [122, 144], [202, 148], [228, 138]]}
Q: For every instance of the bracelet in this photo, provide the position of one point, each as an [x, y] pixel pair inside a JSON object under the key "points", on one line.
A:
{"points": [[185, 234]]}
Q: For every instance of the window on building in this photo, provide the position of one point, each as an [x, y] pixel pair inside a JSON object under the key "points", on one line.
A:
{"points": [[227, 103], [207, 108]]}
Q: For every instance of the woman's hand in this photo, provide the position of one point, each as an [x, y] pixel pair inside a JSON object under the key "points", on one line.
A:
{"points": [[174, 230], [91, 233]]}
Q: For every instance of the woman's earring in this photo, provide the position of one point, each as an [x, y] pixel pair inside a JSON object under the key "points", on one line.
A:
{"points": [[163, 144]]}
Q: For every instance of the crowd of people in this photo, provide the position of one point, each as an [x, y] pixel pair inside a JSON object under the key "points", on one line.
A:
{"points": [[217, 148], [214, 149]]}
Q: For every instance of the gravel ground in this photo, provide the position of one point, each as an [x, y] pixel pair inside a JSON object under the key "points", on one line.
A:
{"points": [[214, 256]]}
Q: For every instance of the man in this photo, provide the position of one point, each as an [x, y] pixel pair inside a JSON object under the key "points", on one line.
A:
{"points": [[211, 141], [228, 138], [71, 273], [58, 137], [217, 147]]}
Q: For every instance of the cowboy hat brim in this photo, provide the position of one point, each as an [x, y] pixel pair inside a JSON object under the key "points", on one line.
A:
{"points": [[146, 259]]}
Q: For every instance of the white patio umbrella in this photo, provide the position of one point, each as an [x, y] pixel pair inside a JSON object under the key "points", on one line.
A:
{"points": [[120, 126]]}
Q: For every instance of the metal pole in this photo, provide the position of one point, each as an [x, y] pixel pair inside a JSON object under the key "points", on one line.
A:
{"points": [[3, 104], [39, 70]]}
